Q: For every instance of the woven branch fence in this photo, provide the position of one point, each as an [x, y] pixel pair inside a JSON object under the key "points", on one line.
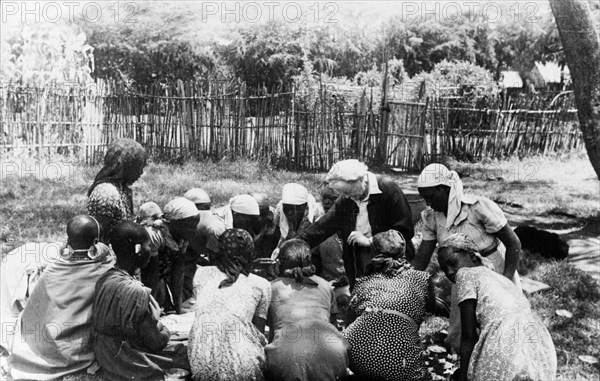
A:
{"points": [[224, 119]]}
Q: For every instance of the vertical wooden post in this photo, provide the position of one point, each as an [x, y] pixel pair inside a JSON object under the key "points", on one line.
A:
{"points": [[383, 124]]}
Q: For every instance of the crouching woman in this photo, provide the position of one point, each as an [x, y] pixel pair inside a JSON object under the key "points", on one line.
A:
{"points": [[512, 343]]}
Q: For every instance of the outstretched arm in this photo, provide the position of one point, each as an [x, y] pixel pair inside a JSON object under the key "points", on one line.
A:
{"points": [[513, 250]]}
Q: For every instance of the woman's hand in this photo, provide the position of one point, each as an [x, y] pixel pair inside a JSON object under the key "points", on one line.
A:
{"points": [[359, 239]]}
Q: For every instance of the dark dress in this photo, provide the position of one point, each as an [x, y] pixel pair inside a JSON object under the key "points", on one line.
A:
{"points": [[128, 340], [305, 347], [384, 345], [387, 210]]}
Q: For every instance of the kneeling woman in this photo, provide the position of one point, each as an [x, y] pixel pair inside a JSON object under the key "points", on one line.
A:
{"points": [[227, 340], [390, 302], [128, 335], [513, 344], [306, 346]]}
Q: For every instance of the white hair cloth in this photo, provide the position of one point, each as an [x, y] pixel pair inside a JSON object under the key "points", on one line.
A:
{"points": [[179, 208], [294, 194], [197, 196], [437, 174], [243, 204]]}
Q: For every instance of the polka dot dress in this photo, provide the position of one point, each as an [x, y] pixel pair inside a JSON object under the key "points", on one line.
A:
{"points": [[385, 346]]}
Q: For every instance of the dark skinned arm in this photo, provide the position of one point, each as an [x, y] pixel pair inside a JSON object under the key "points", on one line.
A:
{"points": [[468, 337], [260, 323], [513, 250], [421, 261], [154, 335]]}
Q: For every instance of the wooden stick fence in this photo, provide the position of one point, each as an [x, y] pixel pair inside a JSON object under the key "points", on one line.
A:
{"points": [[225, 119]]}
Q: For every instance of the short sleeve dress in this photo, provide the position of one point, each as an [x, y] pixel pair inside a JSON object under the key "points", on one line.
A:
{"points": [[305, 347], [223, 342], [385, 345], [513, 343]]}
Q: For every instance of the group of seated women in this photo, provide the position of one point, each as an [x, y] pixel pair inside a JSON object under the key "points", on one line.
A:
{"points": [[102, 296]]}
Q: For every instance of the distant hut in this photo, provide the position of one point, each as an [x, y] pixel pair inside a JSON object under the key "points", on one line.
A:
{"points": [[548, 76]]}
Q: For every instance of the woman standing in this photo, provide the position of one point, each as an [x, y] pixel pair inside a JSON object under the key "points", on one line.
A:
{"points": [[390, 302], [110, 199], [477, 217], [512, 343], [226, 339], [305, 346]]}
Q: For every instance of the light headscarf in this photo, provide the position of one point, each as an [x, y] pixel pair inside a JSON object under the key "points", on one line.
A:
{"points": [[197, 196], [437, 174], [464, 243], [243, 204], [150, 216], [294, 194], [179, 208], [347, 170]]}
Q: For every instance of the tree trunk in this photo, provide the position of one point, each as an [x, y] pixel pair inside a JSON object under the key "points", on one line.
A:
{"points": [[582, 52]]}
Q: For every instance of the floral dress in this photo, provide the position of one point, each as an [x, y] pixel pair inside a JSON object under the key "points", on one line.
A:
{"points": [[385, 344], [112, 203], [513, 343], [224, 344]]}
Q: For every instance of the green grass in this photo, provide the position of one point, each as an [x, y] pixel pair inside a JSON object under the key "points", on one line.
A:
{"points": [[37, 209]]}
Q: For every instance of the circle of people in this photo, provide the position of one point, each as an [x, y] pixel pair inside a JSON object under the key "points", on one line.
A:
{"points": [[266, 287]]}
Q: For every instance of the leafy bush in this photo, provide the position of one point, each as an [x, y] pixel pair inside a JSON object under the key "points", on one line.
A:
{"points": [[461, 79]]}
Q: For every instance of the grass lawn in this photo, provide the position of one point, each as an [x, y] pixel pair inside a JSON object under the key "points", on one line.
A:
{"points": [[35, 205]]}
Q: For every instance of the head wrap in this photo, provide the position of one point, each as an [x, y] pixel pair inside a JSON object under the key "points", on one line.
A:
{"points": [[390, 244], [179, 208], [243, 204], [347, 170], [235, 256], [437, 174], [148, 212], [197, 196], [295, 194], [390, 248], [463, 243], [122, 157], [294, 258]]}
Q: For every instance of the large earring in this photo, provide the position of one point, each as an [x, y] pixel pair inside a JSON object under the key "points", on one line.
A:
{"points": [[138, 248]]}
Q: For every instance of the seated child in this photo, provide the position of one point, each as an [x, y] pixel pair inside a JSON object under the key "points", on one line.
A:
{"points": [[55, 328], [128, 336], [513, 344]]}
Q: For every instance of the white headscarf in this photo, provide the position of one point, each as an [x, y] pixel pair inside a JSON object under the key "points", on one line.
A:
{"points": [[197, 196], [294, 194], [243, 204], [179, 208], [437, 174], [347, 170]]}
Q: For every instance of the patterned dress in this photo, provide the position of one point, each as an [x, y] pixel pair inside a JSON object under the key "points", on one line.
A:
{"points": [[513, 342], [112, 203], [384, 345], [224, 344]]}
